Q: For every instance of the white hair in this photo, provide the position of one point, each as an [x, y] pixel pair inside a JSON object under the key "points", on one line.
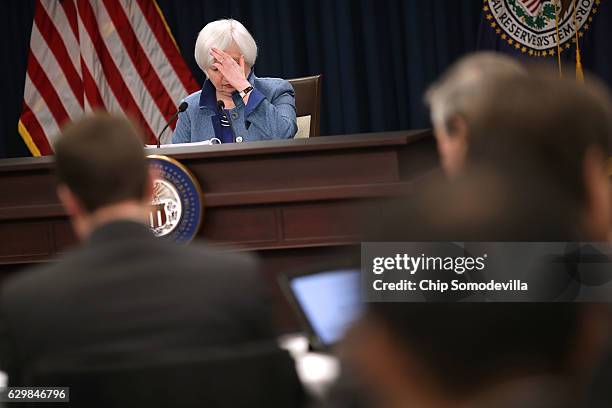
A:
{"points": [[221, 34], [462, 86]]}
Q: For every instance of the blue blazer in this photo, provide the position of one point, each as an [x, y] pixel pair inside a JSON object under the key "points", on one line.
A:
{"points": [[269, 113]]}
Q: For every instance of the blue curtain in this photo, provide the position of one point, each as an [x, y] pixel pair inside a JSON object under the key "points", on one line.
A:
{"points": [[15, 27]]}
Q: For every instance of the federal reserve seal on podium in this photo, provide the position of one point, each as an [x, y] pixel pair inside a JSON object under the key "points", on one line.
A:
{"points": [[177, 207]]}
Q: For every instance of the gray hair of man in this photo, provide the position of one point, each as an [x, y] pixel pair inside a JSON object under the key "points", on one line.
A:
{"points": [[456, 92], [221, 34]]}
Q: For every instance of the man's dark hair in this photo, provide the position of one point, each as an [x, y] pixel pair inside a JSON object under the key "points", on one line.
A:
{"points": [[547, 120], [101, 160]]}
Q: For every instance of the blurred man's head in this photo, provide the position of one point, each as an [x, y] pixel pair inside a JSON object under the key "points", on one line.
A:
{"points": [[451, 100], [102, 172], [564, 126], [451, 354]]}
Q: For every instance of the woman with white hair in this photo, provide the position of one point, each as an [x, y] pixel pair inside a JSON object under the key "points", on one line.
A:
{"points": [[234, 105]]}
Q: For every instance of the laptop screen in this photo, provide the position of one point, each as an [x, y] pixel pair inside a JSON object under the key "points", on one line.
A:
{"points": [[330, 300]]}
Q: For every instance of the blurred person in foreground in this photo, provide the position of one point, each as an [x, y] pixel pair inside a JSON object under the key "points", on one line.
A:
{"points": [[497, 355], [473, 355], [563, 126], [487, 108], [535, 170], [234, 104], [123, 295], [451, 100]]}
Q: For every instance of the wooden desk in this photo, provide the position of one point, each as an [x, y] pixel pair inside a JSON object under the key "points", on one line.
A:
{"points": [[293, 201]]}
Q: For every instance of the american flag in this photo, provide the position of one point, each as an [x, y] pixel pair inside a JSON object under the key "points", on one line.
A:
{"points": [[113, 55]]}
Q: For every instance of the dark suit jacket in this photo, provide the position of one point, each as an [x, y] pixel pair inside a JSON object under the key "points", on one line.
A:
{"points": [[123, 295]]}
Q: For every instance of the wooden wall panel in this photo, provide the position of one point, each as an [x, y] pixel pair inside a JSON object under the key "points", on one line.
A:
{"points": [[24, 241], [241, 226], [313, 169], [325, 221]]}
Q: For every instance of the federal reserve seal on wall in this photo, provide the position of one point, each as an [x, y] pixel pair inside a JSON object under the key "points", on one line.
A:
{"points": [[177, 206], [540, 27]]}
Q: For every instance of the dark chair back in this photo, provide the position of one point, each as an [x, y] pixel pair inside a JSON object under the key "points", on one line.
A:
{"points": [[308, 102], [254, 377]]}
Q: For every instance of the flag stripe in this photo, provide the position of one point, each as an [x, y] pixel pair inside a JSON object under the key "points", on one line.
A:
{"points": [[57, 32], [92, 98], [71, 14], [39, 107], [139, 57], [134, 83], [68, 96], [96, 87], [113, 75], [35, 131], [40, 110], [41, 82], [90, 88], [169, 78], [168, 46]]}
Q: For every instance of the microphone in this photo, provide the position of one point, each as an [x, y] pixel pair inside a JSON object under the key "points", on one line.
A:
{"points": [[221, 112], [182, 108]]}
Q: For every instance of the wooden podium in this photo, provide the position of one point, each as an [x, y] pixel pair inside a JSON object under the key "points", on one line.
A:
{"points": [[294, 202]]}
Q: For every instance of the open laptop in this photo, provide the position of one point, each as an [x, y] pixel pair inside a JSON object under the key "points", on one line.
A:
{"points": [[327, 301]]}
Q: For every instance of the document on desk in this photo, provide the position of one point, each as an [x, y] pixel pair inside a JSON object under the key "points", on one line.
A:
{"points": [[212, 141]]}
